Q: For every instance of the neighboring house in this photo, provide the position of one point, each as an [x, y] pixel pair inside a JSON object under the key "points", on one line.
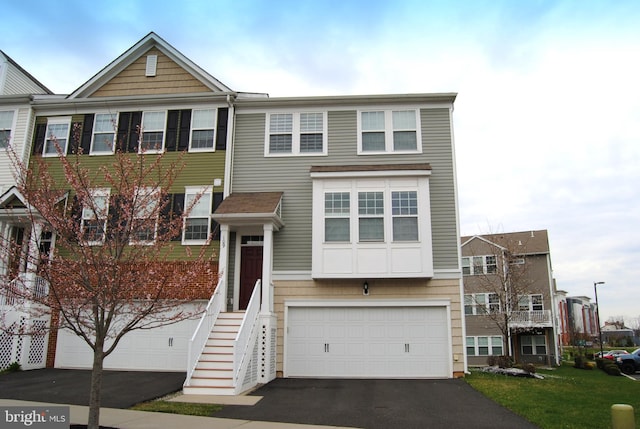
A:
{"points": [[615, 334], [16, 121], [578, 319], [151, 87], [338, 233], [509, 298]]}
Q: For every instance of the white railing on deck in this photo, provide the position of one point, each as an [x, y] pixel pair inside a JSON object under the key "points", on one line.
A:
{"points": [[243, 345], [201, 335], [24, 289], [529, 318]]}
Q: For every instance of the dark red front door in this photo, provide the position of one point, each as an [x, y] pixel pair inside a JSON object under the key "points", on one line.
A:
{"points": [[250, 272]]}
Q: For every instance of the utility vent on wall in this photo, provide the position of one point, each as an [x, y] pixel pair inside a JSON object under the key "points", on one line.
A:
{"points": [[152, 62]]}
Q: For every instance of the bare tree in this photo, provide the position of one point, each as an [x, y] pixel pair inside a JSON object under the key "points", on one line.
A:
{"points": [[112, 269]]}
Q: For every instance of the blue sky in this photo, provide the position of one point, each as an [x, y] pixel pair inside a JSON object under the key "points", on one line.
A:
{"points": [[547, 119]]}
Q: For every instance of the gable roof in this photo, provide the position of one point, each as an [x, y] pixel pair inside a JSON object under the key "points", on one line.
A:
{"points": [[151, 40], [526, 242], [250, 208], [26, 74]]}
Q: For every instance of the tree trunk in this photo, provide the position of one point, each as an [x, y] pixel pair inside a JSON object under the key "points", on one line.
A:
{"points": [[95, 392]]}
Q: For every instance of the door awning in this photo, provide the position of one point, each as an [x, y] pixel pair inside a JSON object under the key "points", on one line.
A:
{"points": [[251, 208]]}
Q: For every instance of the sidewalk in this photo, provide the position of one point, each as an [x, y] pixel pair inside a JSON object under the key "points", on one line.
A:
{"points": [[128, 419]]}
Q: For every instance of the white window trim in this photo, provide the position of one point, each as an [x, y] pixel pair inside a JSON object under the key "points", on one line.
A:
{"points": [[144, 130], [215, 130], [148, 193], [472, 271], [295, 135], [55, 121], [98, 192], [490, 345], [533, 345], [475, 304], [195, 190], [529, 299], [115, 134], [352, 256], [388, 130], [11, 129]]}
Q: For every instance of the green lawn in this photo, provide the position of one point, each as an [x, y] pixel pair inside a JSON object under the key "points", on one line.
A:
{"points": [[566, 398]]}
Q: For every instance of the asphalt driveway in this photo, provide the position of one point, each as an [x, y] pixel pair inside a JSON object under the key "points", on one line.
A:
{"points": [[368, 404], [120, 389], [376, 404]]}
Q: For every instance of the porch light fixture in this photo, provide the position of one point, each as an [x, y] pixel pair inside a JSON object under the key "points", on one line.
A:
{"points": [[595, 290], [365, 288]]}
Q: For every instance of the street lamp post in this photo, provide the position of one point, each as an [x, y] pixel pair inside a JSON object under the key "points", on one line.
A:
{"points": [[595, 290]]}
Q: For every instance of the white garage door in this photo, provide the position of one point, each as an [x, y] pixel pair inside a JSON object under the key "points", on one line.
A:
{"points": [[161, 349], [375, 342]]}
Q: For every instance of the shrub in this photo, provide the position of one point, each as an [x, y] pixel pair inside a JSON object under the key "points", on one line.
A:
{"points": [[588, 365], [529, 367], [612, 369], [578, 361], [13, 367], [500, 361]]}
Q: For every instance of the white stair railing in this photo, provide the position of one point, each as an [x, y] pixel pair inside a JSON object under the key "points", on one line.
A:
{"points": [[201, 335], [244, 342]]}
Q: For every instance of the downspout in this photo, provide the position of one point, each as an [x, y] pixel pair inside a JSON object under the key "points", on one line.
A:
{"points": [[228, 162]]}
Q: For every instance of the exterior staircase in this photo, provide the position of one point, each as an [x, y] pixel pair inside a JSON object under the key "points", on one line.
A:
{"points": [[214, 371]]}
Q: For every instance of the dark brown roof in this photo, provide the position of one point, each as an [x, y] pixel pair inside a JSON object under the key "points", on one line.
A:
{"points": [[250, 203], [528, 242], [381, 167]]}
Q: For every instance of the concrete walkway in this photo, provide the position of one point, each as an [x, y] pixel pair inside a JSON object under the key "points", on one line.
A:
{"points": [[128, 419]]}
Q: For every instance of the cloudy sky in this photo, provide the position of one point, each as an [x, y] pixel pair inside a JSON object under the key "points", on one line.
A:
{"points": [[547, 119]]}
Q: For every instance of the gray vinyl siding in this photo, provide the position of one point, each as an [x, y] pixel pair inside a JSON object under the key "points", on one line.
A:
{"points": [[253, 172], [438, 151]]}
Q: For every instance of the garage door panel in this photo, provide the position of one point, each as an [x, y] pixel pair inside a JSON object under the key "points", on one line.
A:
{"points": [[401, 342]]}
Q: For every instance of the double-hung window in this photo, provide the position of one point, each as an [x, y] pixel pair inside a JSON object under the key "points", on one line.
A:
{"points": [[371, 216], [533, 345], [153, 126], [197, 224], [145, 216], [337, 216], [95, 210], [484, 346], [476, 265], [203, 125], [388, 131], [104, 132], [531, 303], [481, 303], [404, 210], [57, 133], [6, 124], [296, 133]]}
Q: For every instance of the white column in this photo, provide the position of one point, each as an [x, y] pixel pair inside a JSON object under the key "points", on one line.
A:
{"points": [[267, 266], [223, 261]]}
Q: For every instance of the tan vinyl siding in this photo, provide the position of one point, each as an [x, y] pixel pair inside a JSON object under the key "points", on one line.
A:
{"points": [[170, 79], [292, 245], [379, 290]]}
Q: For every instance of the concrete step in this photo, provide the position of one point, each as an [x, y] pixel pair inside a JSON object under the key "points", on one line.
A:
{"points": [[202, 390]]}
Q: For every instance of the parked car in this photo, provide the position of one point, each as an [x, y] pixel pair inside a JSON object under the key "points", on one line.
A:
{"points": [[612, 354], [629, 363]]}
